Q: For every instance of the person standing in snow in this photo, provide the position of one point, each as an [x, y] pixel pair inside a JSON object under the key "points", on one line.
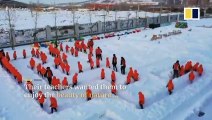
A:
{"points": [[170, 86], [123, 65], [141, 100], [41, 98], [53, 104], [114, 62], [49, 75], [2, 54], [99, 53], [88, 94], [176, 69]]}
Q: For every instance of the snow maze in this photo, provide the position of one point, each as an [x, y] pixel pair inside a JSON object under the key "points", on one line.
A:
{"points": [[152, 59]]}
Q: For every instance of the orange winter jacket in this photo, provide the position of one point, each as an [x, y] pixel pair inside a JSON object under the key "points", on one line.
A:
{"points": [[62, 65], [7, 56], [75, 78], [43, 70], [128, 81], [53, 102], [141, 98], [113, 76], [88, 93], [182, 70], [102, 74], [113, 89], [191, 76], [41, 97], [67, 47], [65, 82], [67, 67], [135, 75], [200, 70], [32, 63], [76, 53], [24, 53], [79, 66], [170, 85], [14, 55], [196, 66], [131, 72], [56, 60], [39, 67], [33, 52], [107, 62], [72, 50]]}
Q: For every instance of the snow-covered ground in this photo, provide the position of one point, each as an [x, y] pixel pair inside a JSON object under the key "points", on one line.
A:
{"points": [[23, 19], [152, 59]]}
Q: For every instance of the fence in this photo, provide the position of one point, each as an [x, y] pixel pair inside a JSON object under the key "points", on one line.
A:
{"points": [[23, 37]]}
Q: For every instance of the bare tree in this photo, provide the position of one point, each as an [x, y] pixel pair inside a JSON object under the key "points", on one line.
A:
{"points": [[55, 25], [10, 17], [90, 15], [35, 16]]}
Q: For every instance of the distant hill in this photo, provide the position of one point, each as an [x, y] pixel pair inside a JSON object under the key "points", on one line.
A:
{"points": [[12, 3]]}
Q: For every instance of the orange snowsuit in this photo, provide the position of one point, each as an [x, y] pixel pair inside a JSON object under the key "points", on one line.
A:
{"points": [[32, 63], [131, 72], [41, 97], [33, 52], [62, 65], [113, 89], [79, 66], [135, 75], [200, 70], [75, 78], [72, 50], [39, 68], [76, 53], [128, 79], [182, 70], [7, 56], [107, 63], [191, 76], [53, 102], [188, 66], [102, 74], [141, 98], [67, 67], [64, 56], [43, 70], [65, 82], [67, 47], [88, 93], [56, 60], [37, 53], [170, 85], [195, 66], [113, 76], [54, 81], [24, 53], [14, 55]]}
